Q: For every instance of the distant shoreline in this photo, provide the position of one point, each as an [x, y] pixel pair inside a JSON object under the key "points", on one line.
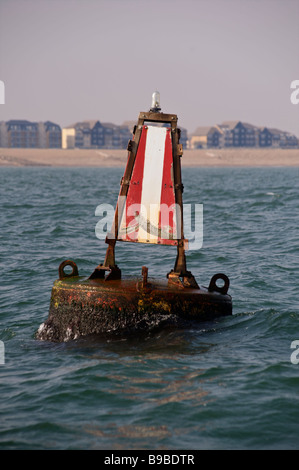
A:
{"points": [[227, 157]]}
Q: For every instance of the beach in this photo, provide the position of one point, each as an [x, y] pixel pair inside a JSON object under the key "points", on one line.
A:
{"points": [[227, 157]]}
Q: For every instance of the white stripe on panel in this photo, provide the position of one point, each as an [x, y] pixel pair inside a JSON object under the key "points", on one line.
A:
{"points": [[152, 179]]}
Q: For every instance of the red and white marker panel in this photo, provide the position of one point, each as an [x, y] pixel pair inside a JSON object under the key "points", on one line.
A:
{"points": [[150, 213]]}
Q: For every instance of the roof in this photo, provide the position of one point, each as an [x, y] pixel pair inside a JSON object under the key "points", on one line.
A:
{"points": [[276, 131], [201, 130], [87, 124], [21, 123], [50, 123], [229, 124], [215, 128], [232, 124], [249, 126], [109, 125]]}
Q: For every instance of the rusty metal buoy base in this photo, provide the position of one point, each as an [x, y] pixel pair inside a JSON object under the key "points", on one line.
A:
{"points": [[82, 306]]}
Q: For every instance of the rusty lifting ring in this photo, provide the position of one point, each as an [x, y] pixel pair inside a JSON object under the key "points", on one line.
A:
{"points": [[68, 262], [213, 286]]}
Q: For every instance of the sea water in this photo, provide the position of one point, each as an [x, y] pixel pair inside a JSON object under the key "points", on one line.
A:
{"points": [[231, 383]]}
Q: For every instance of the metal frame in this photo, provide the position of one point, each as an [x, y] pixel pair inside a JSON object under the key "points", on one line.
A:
{"points": [[179, 275]]}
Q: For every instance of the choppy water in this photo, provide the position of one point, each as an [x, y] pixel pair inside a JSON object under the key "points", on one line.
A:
{"points": [[228, 384]]}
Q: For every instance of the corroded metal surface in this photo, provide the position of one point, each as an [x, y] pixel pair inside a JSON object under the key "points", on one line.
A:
{"points": [[81, 306]]}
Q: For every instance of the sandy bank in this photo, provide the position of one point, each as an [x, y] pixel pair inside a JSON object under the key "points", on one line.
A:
{"points": [[117, 158]]}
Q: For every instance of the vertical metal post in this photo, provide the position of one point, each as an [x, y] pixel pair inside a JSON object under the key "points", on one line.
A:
{"points": [[180, 263]]}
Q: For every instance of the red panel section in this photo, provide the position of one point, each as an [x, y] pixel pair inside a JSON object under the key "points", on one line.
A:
{"points": [[135, 190], [166, 220]]}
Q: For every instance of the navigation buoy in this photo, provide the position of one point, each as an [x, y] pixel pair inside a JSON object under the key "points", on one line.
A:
{"points": [[149, 210]]}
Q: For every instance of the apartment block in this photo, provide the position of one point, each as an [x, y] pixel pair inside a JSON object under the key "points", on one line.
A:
{"points": [[94, 134], [269, 137], [49, 135], [22, 134], [18, 133], [241, 134]]}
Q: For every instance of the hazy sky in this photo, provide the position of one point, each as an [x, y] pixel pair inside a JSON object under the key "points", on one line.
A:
{"points": [[211, 60]]}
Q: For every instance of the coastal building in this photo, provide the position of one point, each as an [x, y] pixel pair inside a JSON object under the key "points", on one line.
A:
{"points": [[265, 137], [3, 134], [241, 134], [22, 134], [68, 137], [18, 133], [94, 134], [282, 139], [85, 134], [199, 139], [227, 134], [184, 137], [289, 140], [116, 136], [214, 137], [49, 135], [275, 138]]}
